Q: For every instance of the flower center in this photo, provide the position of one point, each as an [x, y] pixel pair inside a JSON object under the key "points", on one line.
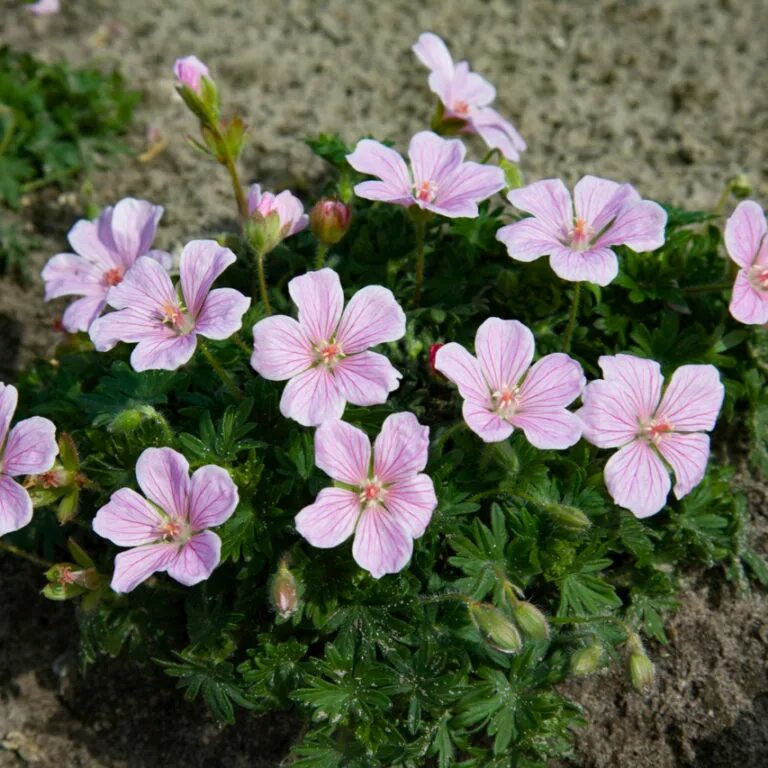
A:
{"points": [[506, 401], [329, 353], [53, 478], [426, 191], [581, 234], [66, 576], [758, 277], [372, 492], [461, 108], [654, 430], [173, 530], [113, 276], [173, 315]]}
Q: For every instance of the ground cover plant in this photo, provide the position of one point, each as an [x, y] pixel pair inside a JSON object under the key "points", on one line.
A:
{"points": [[410, 546]]}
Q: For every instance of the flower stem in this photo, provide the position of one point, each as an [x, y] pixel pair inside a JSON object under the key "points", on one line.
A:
{"points": [[322, 249], [419, 226], [709, 288], [240, 343], [4, 545], [263, 283], [722, 200], [223, 375], [242, 202], [572, 319]]}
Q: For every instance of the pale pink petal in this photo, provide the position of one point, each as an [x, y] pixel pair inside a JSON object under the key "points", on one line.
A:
{"points": [[411, 501], [281, 348], [687, 455], [637, 480], [312, 397], [146, 287], [468, 88], [162, 353], [9, 399], [201, 262], [372, 158], [190, 72], [555, 380], [343, 452], [433, 53], [380, 190], [486, 424], [69, 275], [639, 382], [331, 519], [163, 475], [372, 317], [134, 223], [85, 239], [31, 447], [15, 506], [462, 190], [254, 197], [134, 566], [598, 201], [401, 448], [549, 201], [745, 233], [366, 378], [163, 258], [128, 520], [213, 497], [608, 418], [196, 560], [81, 314], [597, 265], [748, 305], [222, 313], [456, 364], [498, 133], [548, 428], [527, 240], [320, 300], [381, 544], [505, 351], [44, 7], [291, 212], [639, 226], [434, 158], [129, 326], [693, 399]]}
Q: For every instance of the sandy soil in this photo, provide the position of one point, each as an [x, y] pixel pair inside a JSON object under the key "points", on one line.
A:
{"points": [[666, 95]]}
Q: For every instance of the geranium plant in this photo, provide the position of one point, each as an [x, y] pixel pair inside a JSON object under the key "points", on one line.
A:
{"points": [[374, 492]]}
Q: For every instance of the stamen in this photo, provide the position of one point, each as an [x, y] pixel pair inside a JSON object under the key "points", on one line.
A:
{"points": [[655, 430], [113, 276], [372, 492], [426, 191], [581, 234], [461, 108], [329, 353], [506, 401], [758, 277]]}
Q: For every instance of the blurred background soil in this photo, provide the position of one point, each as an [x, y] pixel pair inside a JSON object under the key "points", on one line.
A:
{"points": [[669, 95]]}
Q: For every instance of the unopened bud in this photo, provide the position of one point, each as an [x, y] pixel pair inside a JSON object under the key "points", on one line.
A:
{"points": [[641, 669], [126, 421], [284, 592], [740, 186], [189, 72], [329, 220], [531, 620], [587, 660], [497, 630], [568, 516], [433, 350]]}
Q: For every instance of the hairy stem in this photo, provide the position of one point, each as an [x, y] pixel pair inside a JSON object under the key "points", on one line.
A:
{"points": [[419, 226], [572, 318], [240, 343], [322, 249], [4, 545], [227, 380], [242, 201], [709, 288], [263, 283]]}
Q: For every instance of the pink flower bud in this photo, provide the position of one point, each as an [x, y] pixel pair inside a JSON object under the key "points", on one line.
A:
{"points": [[329, 220], [433, 350], [189, 72], [284, 592]]}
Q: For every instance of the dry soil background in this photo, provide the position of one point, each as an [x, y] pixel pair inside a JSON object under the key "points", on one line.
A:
{"points": [[668, 95]]}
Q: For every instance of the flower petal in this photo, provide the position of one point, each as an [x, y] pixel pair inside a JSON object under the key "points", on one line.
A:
{"points": [[597, 265], [201, 262], [639, 226], [401, 448], [371, 317], [748, 305], [637, 479], [498, 133], [745, 233], [366, 378], [128, 520], [85, 239], [134, 223], [457, 365], [81, 314], [487, 425], [312, 397], [465, 187], [608, 419], [505, 350], [222, 313], [548, 428], [433, 53], [196, 560], [381, 544], [127, 325], [291, 212], [31, 447], [163, 353], [134, 566], [469, 87], [639, 382], [555, 380], [434, 158], [331, 519], [213, 497], [598, 201], [163, 475], [527, 240], [69, 275], [372, 158], [9, 400], [146, 288], [549, 201], [688, 456], [320, 300], [381, 190], [15, 506], [693, 399], [343, 452], [411, 501], [281, 348]]}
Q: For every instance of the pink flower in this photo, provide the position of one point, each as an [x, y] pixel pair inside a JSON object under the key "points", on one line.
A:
{"points": [[747, 245], [325, 354], [289, 209], [466, 96], [27, 449], [501, 389], [105, 250], [386, 503], [438, 181], [44, 7], [579, 243], [189, 71], [626, 410], [165, 327], [170, 531]]}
